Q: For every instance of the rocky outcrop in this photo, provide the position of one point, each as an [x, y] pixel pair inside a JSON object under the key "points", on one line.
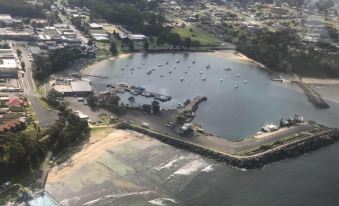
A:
{"points": [[289, 150]]}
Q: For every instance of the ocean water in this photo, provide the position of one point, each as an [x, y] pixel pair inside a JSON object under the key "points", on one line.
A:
{"points": [[228, 112], [163, 175]]}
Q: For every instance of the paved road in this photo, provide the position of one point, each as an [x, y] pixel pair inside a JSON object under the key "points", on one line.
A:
{"points": [[45, 117]]}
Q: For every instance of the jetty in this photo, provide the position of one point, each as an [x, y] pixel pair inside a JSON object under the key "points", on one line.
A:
{"points": [[259, 152], [312, 96], [192, 106]]}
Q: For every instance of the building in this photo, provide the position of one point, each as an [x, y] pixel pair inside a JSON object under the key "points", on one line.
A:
{"points": [[6, 19], [8, 64], [72, 88]]}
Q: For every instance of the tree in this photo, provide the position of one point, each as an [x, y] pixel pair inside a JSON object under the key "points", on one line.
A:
{"points": [[19, 52], [147, 108], [155, 107], [131, 46], [131, 100], [113, 49], [146, 45], [23, 66], [188, 42]]}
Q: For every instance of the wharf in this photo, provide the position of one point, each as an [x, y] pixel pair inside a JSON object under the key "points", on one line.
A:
{"points": [[121, 88]]}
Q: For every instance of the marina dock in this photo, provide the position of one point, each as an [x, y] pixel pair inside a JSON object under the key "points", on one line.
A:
{"points": [[136, 90]]}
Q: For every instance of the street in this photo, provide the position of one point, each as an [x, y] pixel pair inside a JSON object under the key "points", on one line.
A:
{"points": [[44, 116]]}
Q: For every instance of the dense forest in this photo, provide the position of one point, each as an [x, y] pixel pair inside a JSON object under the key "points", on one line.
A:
{"points": [[22, 8], [56, 60], [284, 51]]}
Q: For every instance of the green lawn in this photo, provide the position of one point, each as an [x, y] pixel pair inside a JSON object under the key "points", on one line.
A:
{"points": [[197, 34]]}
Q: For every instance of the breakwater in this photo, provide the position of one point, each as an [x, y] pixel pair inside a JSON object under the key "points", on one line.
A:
{"points": [[288, 150], [312, 95]]}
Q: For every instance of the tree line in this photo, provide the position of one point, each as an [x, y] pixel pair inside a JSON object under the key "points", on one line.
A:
{"points": [[56, 60]]}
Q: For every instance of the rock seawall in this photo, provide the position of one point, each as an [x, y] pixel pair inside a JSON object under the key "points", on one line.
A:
{"points": [[289, 150]]}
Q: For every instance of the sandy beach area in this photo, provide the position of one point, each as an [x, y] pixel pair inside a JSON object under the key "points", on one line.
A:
{"points": [[121, 167], [91, 67], [321, 81]]}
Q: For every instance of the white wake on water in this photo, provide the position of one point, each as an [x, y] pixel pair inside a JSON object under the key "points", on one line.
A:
{"points": [[161, 201]]}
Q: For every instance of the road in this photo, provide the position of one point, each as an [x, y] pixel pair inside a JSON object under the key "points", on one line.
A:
{"points": [[44, 116]]}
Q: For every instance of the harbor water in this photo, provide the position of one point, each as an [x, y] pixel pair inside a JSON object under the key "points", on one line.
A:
{"points": [[229, 112]]}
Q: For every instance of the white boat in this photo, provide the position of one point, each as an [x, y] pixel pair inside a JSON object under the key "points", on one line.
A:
{"points": [[245, 81], [181, 78], [227, 69], [221, 79], [269, 128], [236, 86], [177, 61], [238, 75], [203, 79]]}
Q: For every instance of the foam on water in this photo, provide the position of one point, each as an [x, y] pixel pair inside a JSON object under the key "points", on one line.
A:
{"points": [[161, 201], [207, 169]]}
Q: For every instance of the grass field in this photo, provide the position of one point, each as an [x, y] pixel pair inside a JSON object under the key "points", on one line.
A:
{"points": [[197, 34]]}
